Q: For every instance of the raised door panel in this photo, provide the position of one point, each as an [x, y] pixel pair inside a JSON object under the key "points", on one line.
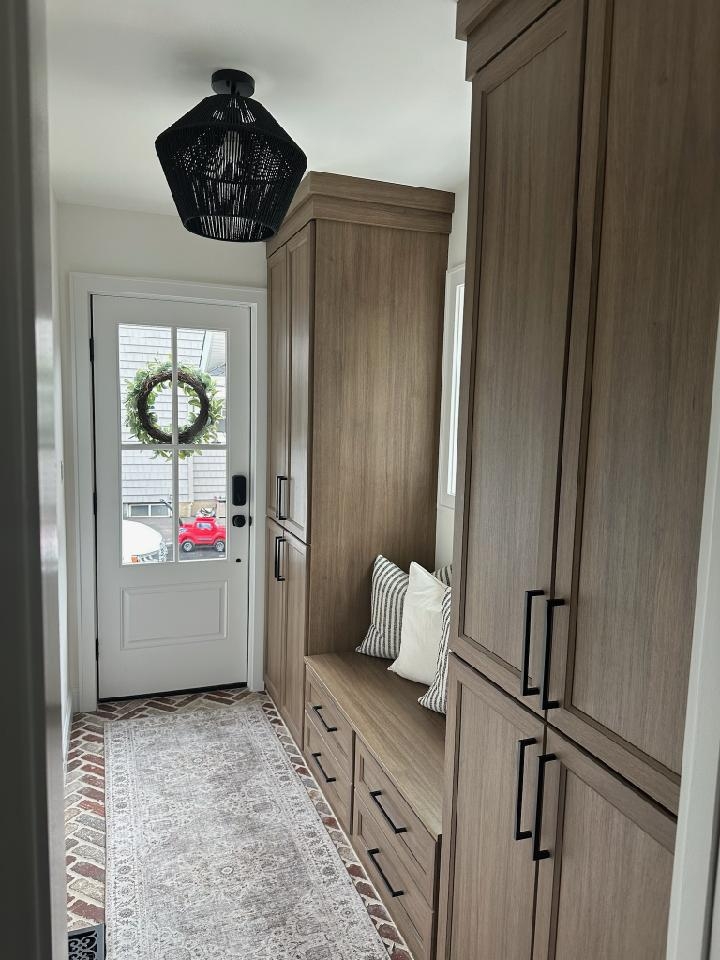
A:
{"points": [[301, 262], [604, 888], [278, 371], [294, 569], [274, 615], [525, 141], [488, 877], [643, 412]]}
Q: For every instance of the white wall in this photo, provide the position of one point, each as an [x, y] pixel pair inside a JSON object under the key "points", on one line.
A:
{"points": [[456, 255], [129, 244]]}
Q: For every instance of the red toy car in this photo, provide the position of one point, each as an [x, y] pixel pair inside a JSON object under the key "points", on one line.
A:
{"points": [[201, 532]]}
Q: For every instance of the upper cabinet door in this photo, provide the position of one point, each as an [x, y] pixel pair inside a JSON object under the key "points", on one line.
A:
{"points": [[278, 366], [488, 874], [301, 274], [647, 276], [605, 863], [526, 107]]}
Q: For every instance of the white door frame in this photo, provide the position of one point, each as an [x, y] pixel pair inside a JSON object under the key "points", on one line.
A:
{"points": [[83, 286]]}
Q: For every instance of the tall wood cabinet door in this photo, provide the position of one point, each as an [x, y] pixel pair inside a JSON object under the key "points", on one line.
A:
{"points": [[274, 614], [278, 371], [604, 884], [520, 256], [488, 875], [293, 566], [301, 277], [643, 411]]}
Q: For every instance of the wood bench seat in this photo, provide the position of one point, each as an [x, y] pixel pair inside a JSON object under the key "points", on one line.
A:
{"points": [[378, 757]]}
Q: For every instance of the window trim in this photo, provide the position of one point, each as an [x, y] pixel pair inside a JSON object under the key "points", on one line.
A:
{"points": [[452, 349]]}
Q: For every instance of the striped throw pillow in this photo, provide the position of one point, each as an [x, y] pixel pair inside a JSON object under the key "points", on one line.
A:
{"points": [[436, 696], [387, 599]]}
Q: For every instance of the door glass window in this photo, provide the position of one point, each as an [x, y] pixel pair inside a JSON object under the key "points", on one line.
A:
{"points": [[173, 443]]}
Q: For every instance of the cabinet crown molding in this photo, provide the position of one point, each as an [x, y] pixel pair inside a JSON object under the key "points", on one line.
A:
{"points": [[332, 196]]}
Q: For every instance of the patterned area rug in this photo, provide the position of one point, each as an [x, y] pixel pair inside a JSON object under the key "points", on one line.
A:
{"points": [[215, 850]]}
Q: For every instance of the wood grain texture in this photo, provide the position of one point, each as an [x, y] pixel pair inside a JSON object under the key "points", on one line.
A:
{"points": [[329, 719], [356, 200], [500, 24], [647, 405], [604, 892], [376, 415], [412, 843], [487, 880], [330, 774], [406, 740], [278, 357], [274, 620], [410, 911], [514, 384], [294, 569], [301, 285]]}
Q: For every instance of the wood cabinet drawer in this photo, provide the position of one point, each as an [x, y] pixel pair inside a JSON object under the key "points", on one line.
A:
{"points": [[395, 880], [331, 724], [329, 771], [409, 835]]}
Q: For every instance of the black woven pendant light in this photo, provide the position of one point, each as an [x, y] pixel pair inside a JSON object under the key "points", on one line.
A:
{"points": [[231, 167]]}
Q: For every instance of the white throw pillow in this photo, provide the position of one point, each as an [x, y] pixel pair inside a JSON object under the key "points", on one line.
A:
{"points": [[421, 631]]}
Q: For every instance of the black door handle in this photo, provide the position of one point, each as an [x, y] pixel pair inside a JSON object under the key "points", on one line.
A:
{"points": [[278, 541], [378, 793], [316, 758], [525, 687], [318, 711], [393, 893], [545, 702], [521, 834], [543, 761], [278, 497]]}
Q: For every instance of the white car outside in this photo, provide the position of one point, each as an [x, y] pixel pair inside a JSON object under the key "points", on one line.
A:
{"points": [[142, 544]]}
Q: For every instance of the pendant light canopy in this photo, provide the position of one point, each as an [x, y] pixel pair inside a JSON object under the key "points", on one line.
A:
{"points": [[231, 167]]}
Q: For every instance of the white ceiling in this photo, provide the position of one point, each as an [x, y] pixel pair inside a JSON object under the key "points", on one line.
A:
{"points": [[373, 88]]}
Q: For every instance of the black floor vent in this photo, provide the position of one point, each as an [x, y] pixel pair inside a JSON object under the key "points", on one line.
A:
{"points": [[87, 944]]}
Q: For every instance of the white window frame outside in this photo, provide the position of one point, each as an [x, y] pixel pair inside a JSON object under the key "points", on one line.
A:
{"points": [[452, 344]]}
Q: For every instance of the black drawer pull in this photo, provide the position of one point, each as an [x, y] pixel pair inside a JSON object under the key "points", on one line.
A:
{"points": [[393, 893], [378, 793], [522, 747], [316, 758], [539, 854], [278, 541], [545, 702], [525, 687], [318, 711]]}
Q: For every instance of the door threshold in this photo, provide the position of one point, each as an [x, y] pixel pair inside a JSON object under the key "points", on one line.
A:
{"points": [[174, 693]]}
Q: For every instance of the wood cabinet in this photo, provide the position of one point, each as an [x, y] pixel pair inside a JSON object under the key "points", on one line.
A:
{"points": [[589, 339], [356, 281], [592, 309], [547, 854], [285, 623]]}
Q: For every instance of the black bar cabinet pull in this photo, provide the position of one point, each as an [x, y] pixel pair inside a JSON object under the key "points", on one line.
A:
{"points": [[545, 702], [318, 711], [378, 793], [393, 893], [316, 758], [278, 541], [543, 761], [526, 689], [522, 747], [278, 497]]}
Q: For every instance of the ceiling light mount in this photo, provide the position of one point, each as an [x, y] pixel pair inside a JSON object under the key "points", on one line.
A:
{"points": [[231, 168], [233, 82]]}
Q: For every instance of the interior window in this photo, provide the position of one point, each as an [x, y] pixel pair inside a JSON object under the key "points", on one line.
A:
{"points": [[452, 345]]}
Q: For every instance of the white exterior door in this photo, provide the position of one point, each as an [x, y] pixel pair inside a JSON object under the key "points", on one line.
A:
{"points": [[172, 430]]}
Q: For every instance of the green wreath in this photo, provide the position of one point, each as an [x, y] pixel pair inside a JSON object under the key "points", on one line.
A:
{"points": [[203, 400]]}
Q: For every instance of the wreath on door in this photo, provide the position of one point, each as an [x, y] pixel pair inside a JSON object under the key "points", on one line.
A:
{"points": [[203, 400]]}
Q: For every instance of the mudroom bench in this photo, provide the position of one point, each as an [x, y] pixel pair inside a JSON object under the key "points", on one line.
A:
{"points": [[378, 757]]}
